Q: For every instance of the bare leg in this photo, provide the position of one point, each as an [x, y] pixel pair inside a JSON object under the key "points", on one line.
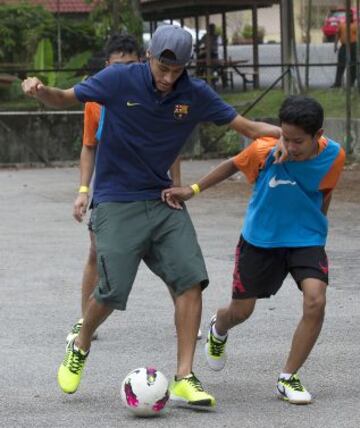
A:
{"points": [[310, 324], [173, 298], [96, 313], [237, 312], [187, 318], [90, 275]]}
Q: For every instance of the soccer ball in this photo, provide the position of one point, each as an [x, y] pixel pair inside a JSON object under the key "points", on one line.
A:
{"points": [[145, 391]]}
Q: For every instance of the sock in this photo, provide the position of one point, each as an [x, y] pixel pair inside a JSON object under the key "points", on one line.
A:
{"points": [[285, 376], [217, 335], [77, 349], [184, 377]]}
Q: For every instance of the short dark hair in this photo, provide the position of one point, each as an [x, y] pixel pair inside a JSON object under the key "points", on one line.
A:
{"points": [[167, 57], [125, 43], [304, 112]]}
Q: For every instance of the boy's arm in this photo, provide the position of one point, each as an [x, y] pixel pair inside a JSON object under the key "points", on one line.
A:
{"points": [[87, 162], [175, 195], [329, 182], [51, 96], [223, 171], [326, 201]]}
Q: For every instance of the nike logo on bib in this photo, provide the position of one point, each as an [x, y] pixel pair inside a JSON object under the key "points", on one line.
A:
{"points": [[274, 182], [131, 104]]}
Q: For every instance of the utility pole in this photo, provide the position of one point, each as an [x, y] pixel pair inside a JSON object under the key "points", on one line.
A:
{"points": [[115, 11], [255, 46], [286, 42], [58, 30], [358, 45], [308, 36], [348, 80]]}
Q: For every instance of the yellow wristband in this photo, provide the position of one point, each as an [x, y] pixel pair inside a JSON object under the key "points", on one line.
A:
{"points": [[84, 189], [195, 188]]}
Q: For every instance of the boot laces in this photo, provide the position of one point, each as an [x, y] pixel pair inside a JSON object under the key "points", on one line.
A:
{"points": [[75, 361], [295, 383], [195, 383]]}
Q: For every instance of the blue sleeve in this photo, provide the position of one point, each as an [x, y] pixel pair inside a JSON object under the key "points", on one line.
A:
{"points": [[214, 109], [101, 87]]}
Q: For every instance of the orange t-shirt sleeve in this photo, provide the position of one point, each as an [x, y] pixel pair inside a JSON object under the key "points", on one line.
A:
{"points": [[252, 159], [91, 123], [330, 180]]}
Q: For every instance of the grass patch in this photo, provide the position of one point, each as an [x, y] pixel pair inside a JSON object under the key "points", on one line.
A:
{"points": [[332, 100]]}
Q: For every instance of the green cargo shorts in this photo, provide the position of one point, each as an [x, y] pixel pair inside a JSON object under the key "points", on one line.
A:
{"points": [[128, 232]]}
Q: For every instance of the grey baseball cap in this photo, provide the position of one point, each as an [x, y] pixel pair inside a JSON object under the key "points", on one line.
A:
{"points": [[172, 38]]}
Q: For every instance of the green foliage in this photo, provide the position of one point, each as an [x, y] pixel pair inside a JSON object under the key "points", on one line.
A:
{"points": [[15, 90], [219, 140], [232, 143], [21, 28], [104, 22], [132, 23], [77, 36], [10, 92], [236, 38], [66, 79], [44, 60], [247, 32]]}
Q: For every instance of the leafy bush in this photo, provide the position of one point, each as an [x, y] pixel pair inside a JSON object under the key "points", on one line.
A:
{"points": [[219, 140], [76, 37], [44, 59], [21, 28], [236, 38], [247, 33]]}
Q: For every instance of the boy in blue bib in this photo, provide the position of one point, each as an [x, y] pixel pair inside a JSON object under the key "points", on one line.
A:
{"points": [[284, 231]]}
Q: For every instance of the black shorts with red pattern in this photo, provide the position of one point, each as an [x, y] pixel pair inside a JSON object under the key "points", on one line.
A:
{"points": [[260, 272]]}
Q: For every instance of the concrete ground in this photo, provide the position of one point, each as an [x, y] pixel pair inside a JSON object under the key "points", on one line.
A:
{"points": [[42, 254]]}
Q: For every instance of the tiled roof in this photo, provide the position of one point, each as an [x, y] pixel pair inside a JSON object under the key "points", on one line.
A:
{"points": [[65, 6]]}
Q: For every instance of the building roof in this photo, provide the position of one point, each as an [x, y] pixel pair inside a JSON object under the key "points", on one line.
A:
{"points": [[155, 10], [65, 6]]}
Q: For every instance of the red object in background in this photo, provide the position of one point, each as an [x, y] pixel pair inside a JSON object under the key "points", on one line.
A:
{"points": [[332, 21]]}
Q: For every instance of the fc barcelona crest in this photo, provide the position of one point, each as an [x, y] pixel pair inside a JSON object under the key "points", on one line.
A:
{"points": [[181, 111]]}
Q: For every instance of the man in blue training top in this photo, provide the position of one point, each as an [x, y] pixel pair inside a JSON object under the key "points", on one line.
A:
{"points": [[284, 231], [149, 111]]}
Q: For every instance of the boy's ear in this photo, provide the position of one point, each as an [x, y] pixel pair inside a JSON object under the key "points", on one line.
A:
{"points": [[319, 134]]}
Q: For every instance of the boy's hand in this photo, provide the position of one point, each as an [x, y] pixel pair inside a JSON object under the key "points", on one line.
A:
{"points": [[33, 87], [175, 195], [80, 206], [280, 153]]}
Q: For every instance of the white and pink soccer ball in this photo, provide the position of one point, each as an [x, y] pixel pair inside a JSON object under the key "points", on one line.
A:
{"points": [[145, 391]]}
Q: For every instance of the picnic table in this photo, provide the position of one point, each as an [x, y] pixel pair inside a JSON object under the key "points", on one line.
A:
{"points": [[219, 69]]}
